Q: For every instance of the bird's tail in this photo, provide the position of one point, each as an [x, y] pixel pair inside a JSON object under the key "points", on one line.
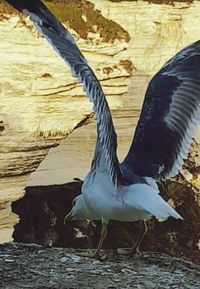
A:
{"points": [[146, 198], [163, 210]]}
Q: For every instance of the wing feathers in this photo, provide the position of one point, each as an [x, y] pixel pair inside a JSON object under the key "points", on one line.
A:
{"points": [[170, 114], [64, 44]]}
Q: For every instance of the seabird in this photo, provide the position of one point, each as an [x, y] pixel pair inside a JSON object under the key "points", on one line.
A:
{"points": [[128, 191]]}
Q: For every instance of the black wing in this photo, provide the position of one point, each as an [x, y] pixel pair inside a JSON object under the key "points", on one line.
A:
{"points": [[64, 44], [170, 114]]}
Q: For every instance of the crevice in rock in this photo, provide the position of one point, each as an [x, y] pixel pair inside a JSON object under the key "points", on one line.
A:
{"points": [[1, 126], [43, 209]]}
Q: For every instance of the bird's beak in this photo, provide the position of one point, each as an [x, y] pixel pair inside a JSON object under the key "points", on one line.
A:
{"points": [[68, 217]]}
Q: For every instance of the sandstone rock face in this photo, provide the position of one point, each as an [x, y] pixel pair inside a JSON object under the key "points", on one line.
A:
{"points": [[156, 32], [41, 103]]}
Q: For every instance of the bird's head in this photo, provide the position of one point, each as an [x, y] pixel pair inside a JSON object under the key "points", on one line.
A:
{"points": [[79, 210]]}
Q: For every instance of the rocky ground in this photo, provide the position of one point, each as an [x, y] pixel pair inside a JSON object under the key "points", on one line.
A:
{"points": [[33, 267], [53, 265]]}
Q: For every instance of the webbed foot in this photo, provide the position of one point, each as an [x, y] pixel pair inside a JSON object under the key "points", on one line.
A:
{"points": [[125, 251], [128, 251], [92, 253], [97, 255]]}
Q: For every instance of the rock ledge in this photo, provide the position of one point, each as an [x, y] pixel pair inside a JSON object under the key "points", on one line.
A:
{"points": [[32, 266]]}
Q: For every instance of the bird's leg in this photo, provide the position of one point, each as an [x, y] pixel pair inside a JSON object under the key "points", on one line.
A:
{"points": [[97, 253], [103, 235], [136, 246]]}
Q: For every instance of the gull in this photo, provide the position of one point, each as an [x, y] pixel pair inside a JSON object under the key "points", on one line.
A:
{"points": [[128, 191]]}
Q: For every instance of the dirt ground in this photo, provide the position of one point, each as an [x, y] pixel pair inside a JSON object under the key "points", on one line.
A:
{"points": [[32, 266]]}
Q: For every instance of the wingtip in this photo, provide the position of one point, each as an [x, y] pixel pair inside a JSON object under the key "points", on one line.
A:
{"points": [[180, 217]]}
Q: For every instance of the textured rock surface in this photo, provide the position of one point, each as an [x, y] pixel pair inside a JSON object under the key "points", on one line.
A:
{"points": [[39, 98], [156, 32], [33, 267]]}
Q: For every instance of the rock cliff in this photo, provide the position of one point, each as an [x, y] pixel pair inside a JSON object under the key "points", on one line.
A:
{"points": [[41, 103]]}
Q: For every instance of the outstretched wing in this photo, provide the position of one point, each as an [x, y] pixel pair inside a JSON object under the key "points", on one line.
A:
{"points": [[170, 114], [64, 44]]}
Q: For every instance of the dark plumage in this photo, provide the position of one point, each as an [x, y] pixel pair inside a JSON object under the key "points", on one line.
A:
{"points": [[170, 113]]}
